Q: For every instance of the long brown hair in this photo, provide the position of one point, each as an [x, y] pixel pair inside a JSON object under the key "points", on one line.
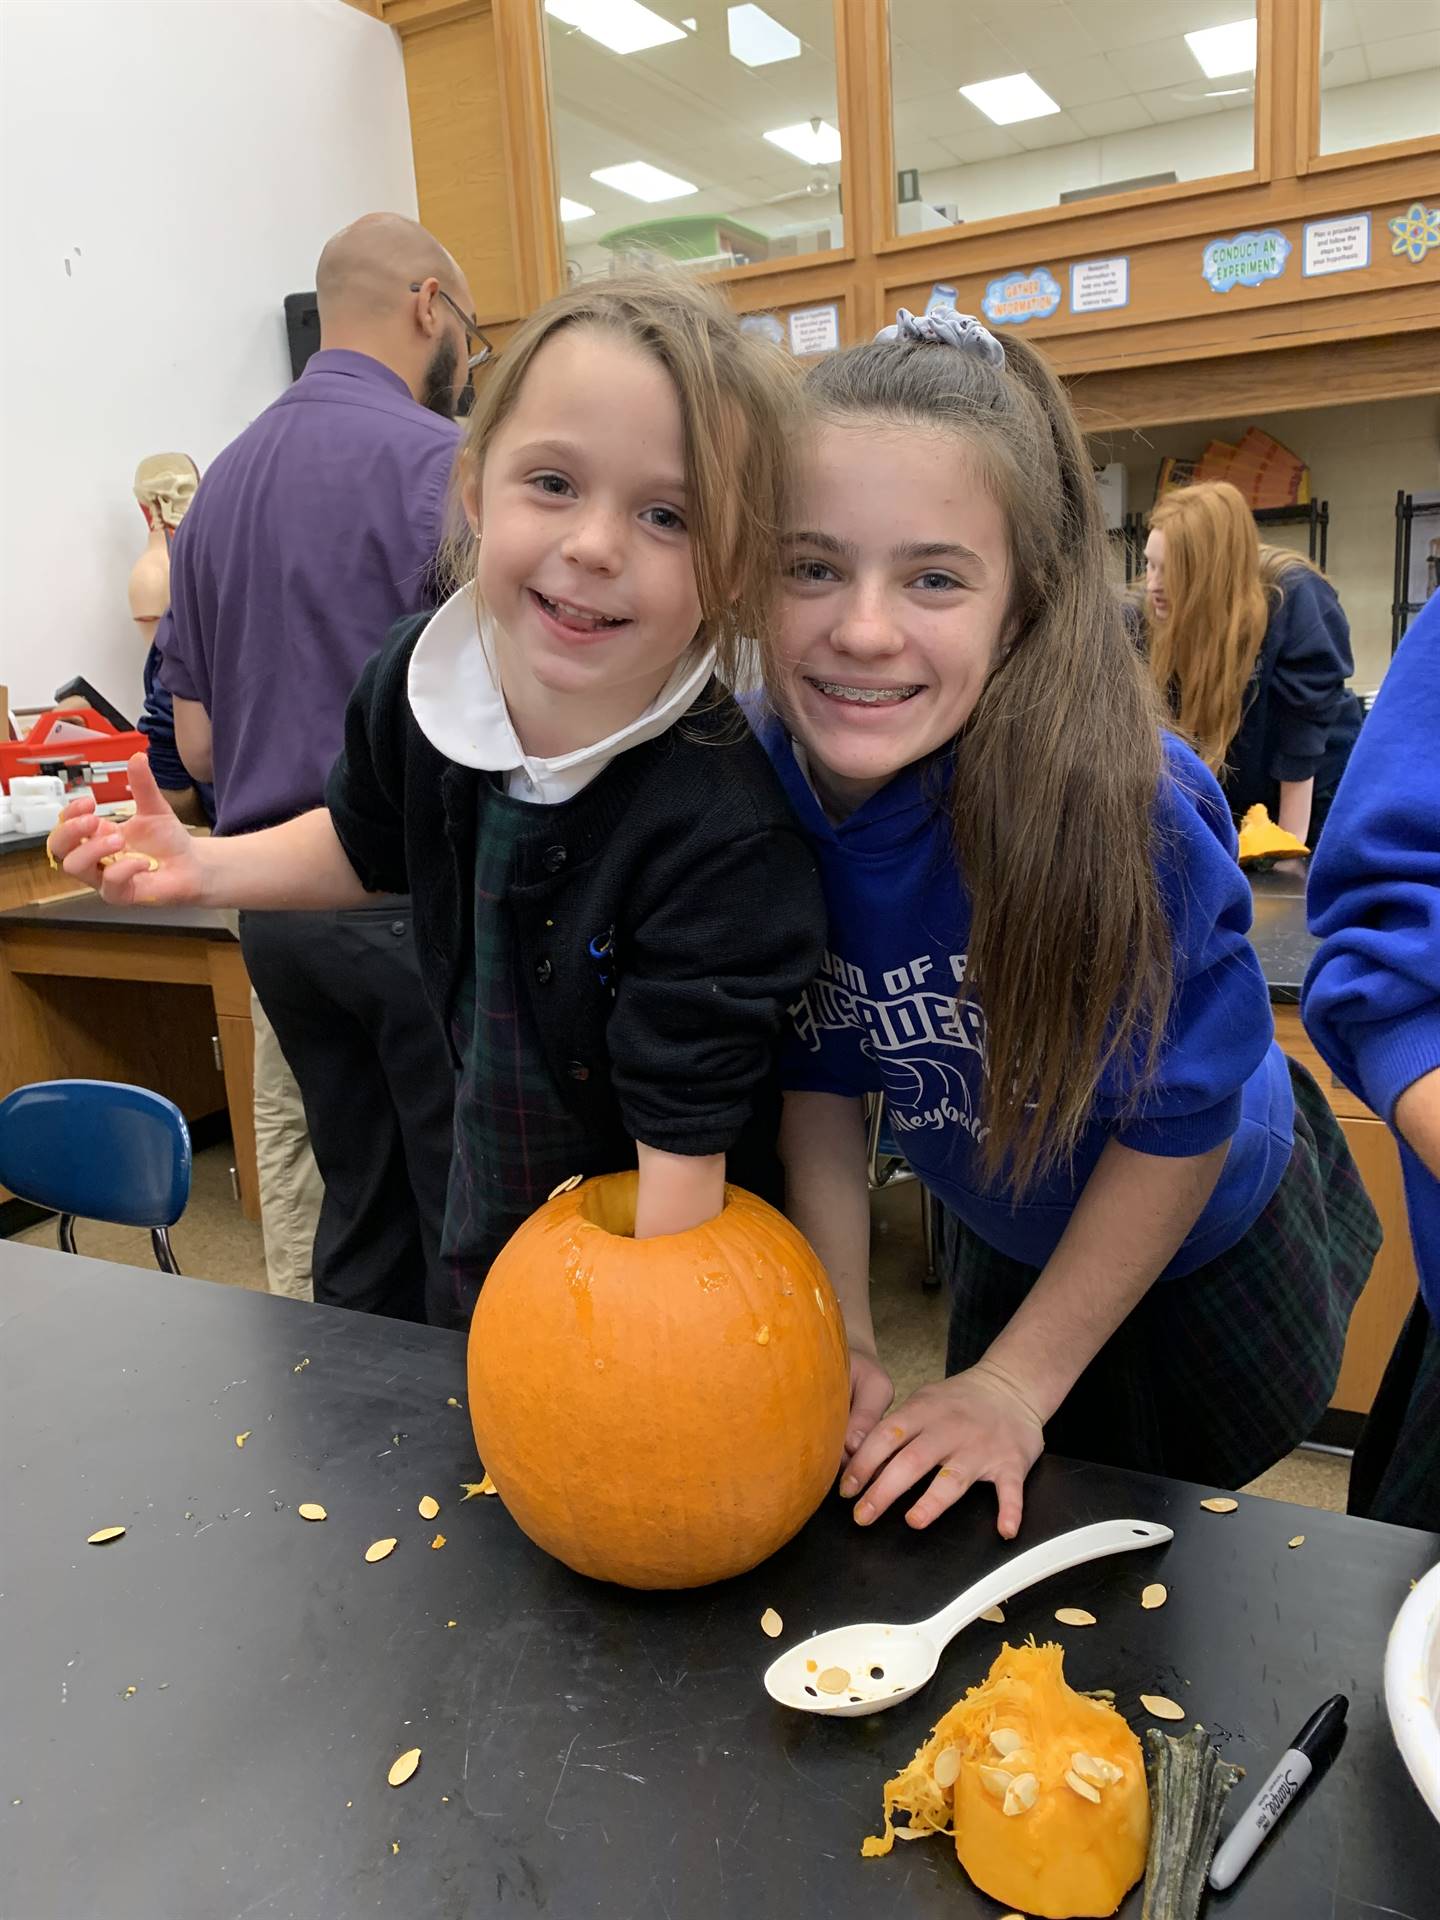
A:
{"points": [[1057, 773], [1221, 585], [737, 399]]}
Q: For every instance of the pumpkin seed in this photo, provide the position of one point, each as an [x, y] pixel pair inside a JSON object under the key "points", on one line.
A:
{"points": [[452, 1623], [404, 1767], [429, 1507], [1298, 1541], [995, 1615], [379, 1549], [1160, 1708], [1005, 1740], [1100, 1773], [452, 1401], [947, 1767], [1074, 1617], [1082, 1787], [762, 1338], [832, 1680], [995, 1780], [105, 1536], [1021, 1794], [241, 1438], [1154, 1596], [152, 864], [771, 1623], [917, 1833], [568, 1186], [311, 1510], [1220, 1506], [437, 1543]]}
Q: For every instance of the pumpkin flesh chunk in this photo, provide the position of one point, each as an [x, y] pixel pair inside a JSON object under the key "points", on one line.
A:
{"points": [[1057, 1854]]}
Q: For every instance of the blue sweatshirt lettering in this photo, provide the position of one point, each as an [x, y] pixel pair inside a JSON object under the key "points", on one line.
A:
{"points": [[892, 1012]]}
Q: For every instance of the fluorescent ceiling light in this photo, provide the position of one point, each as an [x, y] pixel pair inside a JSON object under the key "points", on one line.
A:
{"points": [[644, 182], [817, 143], [758, 41], [624, 26], [574, 210], [1015, 96], [1222, 51]]}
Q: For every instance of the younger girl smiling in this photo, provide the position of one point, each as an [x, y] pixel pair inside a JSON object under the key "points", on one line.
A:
{"points": [[612, 902]]}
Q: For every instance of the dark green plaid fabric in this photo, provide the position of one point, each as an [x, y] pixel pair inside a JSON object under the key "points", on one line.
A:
{"points": [[515, 1139], [1216, 1376], [1396, 1472]]}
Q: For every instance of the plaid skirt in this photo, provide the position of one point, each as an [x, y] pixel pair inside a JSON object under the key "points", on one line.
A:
{"points": [[1216, 1376], [1396, 1472]]}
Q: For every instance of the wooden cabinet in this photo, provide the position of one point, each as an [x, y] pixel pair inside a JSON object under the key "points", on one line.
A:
{"points": [[1390, 1292]]}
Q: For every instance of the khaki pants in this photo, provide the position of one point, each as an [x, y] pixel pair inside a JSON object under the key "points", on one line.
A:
{"points": [[290, 1185]]}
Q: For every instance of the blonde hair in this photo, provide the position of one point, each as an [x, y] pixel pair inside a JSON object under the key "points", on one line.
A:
{"points": [[736, 396], [1057, 772], [1221, 586]]}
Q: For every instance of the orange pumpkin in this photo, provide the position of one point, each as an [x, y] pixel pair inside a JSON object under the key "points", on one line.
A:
{"points": [[1043, 1788], [665, 1412]]}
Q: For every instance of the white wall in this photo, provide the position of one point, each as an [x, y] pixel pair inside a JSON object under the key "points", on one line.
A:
{"points": [[169, 170], [1358, 457]]}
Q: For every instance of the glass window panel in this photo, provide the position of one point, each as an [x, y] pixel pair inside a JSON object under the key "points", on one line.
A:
{"points": [[1379, 72], [714, 139], [1005, 106]]}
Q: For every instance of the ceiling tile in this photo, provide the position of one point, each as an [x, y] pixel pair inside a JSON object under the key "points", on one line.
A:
{"points": [[1391, 19], [916, 70], [1344, 68], [1053, 130], [1112, 116], [1117, 23], [1033, 33], [1079, 83], [1339, 26], [971, 145], [1416, 53], [1166, 104], [1159, 63]]}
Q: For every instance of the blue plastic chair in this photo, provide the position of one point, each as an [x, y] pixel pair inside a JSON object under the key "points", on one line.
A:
{"points": [[98, 1148]]}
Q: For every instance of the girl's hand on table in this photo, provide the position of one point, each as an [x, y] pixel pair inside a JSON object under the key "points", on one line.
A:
{"points": [[974, 1426], [871, 1391], [153, 859]]}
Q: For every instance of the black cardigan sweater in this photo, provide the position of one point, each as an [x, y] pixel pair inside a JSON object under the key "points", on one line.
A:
{"points": [[682, 852]]}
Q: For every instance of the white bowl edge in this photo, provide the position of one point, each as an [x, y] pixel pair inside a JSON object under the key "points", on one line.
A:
{"points": [[1412, 1686]]}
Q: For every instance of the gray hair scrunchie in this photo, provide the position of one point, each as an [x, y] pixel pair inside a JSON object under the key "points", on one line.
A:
{"points": [[947, 328]]}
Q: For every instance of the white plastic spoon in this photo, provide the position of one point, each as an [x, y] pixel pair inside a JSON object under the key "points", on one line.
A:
{"points": [[883, 1665]]}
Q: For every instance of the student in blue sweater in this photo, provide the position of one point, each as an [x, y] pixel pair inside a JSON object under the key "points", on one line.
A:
{"points": [[1372, 1007], [1152, 1228]]}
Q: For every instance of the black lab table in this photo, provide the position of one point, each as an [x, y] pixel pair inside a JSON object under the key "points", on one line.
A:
{"points": [[199, 1718]]}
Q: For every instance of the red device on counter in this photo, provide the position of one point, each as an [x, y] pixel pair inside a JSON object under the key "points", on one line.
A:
{"points": [[98, 762]]}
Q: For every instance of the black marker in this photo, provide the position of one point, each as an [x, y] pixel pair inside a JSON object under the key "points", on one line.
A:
{"points": [[1295, 1768]]}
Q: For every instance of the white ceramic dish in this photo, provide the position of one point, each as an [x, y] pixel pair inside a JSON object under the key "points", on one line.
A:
{"points": [[1412, 1686]]}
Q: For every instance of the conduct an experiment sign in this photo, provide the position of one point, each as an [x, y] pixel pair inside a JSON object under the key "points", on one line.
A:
{"points": [[1245, 260]]}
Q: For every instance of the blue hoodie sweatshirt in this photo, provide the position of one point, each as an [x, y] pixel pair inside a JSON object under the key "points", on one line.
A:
{"points": [[891, 1012], [1372, 995]]}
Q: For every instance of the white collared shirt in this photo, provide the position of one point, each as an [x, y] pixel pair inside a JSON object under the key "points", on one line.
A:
{"points": [[458, 706]]}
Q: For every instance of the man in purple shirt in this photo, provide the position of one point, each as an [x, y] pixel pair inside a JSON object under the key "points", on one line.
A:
{"points": [[309, 536]]}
